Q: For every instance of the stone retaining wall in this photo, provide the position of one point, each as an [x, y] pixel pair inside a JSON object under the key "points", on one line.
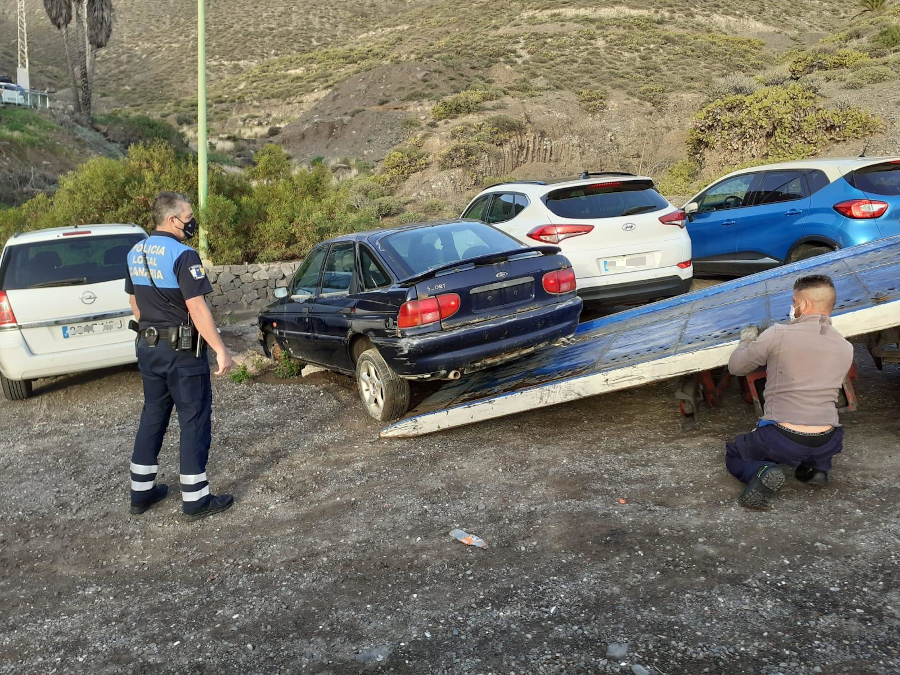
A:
{"points": [[247, 287]]}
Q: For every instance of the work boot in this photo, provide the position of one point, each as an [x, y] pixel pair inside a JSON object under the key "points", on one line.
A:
{"points": [[810, 476], [212, 505], [762, 487], [157, 494]]}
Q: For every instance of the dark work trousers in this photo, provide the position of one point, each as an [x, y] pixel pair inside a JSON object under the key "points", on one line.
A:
{"points": [[180, 379], [766, 445]]}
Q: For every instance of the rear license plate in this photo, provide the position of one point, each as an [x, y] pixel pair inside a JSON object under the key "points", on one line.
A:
{"points": [[624, 263], [96, 328], [503, 293]]}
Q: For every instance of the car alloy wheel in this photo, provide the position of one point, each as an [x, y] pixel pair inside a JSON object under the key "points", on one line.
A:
{"points": [[384, 393]]}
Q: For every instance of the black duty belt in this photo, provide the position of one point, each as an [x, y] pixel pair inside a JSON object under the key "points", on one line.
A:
{"points": [[161, 333]]}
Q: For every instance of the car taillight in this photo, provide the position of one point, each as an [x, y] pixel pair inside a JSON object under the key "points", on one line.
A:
{"points": [[553, 234], [75, 233], [684, 265], [675, 218], [861, 209], [423, 312], [561, 281], [7, 316]]}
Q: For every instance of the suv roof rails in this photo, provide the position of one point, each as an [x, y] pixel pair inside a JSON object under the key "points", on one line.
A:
{"points": [[518, 182], [589, 174]]}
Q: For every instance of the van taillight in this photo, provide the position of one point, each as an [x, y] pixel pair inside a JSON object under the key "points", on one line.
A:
{"points": [[861, 209], [430, 310], [562, 281], [7, 316], [553, 234]]}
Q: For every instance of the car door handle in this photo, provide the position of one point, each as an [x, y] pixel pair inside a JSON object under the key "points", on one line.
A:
{"points": [[728, 223], [793, 212]]}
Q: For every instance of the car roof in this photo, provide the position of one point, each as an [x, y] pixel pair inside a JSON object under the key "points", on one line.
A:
{"points": [[543, 186], [57, 232], [833, 167], [373, 236]]}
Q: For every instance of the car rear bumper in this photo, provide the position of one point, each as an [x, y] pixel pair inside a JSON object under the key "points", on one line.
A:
{"points": [[17, 362], [637, 291], [482, 345]]}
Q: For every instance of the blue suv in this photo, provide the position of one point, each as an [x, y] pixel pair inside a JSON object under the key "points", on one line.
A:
{"points": [[765, 216]]}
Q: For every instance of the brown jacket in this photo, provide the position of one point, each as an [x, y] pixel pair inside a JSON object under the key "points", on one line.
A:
{"points": [[806, 362]]}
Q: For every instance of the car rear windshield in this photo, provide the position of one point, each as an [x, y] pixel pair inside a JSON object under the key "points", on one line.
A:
{"points": [[414, 251], [880, 179], [606, 200], [70, 261]]}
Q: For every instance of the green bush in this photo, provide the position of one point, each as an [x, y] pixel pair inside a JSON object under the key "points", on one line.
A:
{"points": [[411, 217], [870, 75], [271, 163], [461, 154], [401, 163], [808, 62], [494, 130], [240, 374], [464, 103], [388, 206], [592, 100], [128, 130], [773, 123], [888, 37], [286, 367]]}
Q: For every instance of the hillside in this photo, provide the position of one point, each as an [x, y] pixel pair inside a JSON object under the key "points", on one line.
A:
{"points": [[550, 86]]}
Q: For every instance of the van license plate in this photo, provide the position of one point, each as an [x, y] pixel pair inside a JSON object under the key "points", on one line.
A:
{"points": [[97, 328]]}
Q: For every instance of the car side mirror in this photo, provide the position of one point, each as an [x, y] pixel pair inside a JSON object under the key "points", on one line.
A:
{"points": [[301, 295], [281, 292], [691, 210]]}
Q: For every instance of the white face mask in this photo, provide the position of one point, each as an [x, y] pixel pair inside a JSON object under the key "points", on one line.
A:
{"points": [[791, 315]]}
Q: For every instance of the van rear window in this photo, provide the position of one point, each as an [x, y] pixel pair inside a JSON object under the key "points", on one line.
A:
{"points": [[880, 179], [606, 200], [71, 261]]}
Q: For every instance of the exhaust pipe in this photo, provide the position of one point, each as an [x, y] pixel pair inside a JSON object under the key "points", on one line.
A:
{"points": [[454, 375]]}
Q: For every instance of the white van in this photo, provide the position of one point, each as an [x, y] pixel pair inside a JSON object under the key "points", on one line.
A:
{"points": [[11, 93], [63, 306]]}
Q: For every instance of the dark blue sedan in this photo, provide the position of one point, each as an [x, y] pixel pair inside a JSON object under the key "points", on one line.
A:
{"points": [[421, 302]]}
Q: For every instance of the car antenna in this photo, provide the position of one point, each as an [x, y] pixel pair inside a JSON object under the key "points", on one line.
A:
{"points": [[865, 147]]}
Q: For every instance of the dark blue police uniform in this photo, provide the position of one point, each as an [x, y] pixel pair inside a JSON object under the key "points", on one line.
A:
{"points": [[170, 377]]}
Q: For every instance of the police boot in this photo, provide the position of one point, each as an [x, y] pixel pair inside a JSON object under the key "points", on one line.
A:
{"points": [[762, 487], [157, 494], [212, 504]]}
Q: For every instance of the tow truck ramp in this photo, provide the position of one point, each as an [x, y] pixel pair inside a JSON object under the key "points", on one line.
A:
{"points": [[687, 334]]}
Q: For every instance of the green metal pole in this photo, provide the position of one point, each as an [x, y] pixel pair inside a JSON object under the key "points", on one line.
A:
{"points": [[202, 142]]}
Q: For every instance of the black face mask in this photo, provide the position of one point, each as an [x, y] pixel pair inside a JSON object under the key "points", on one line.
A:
{"points": [[190, 227]]}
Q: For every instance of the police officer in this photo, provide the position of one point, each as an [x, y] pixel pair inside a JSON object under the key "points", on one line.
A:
{"points": [[166, 285]]}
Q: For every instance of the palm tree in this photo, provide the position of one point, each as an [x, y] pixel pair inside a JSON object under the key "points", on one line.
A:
{"points": [[93, 22]]}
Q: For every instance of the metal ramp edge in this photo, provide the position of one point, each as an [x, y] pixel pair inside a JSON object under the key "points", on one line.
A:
{"points": [[688, 334]]}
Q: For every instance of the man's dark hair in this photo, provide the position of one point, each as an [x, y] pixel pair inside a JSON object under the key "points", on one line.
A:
{"points": [[167, 204], [813, 281]]}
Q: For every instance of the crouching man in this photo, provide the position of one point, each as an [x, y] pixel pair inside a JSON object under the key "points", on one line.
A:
{"points": [[806, 361]]}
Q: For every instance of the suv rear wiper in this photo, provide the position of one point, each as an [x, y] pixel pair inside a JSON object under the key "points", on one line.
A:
{"points": [[62, 282], [634, 210]]}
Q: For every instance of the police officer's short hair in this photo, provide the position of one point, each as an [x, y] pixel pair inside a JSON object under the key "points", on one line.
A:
{"points": [[813, 281], [167, 204]]}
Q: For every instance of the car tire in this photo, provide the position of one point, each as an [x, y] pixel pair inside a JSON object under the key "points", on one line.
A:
{"points": [[384, 394], [805, 251], [15, 390]]}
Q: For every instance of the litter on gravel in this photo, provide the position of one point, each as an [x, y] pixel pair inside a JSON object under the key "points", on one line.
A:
{"points": [[468, 539]]}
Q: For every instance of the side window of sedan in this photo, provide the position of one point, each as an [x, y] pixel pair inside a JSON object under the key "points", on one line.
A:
{"points": [[477, 208], [339, 268], [731, 193], [373, 274], [306, 280]]}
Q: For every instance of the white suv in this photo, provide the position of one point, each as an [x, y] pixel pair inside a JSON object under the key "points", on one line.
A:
{"points": [[626, 242], [63, 306]]}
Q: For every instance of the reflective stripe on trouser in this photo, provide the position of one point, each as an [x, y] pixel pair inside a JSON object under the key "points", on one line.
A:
{"points": [[143, 477], [194, 488], [179, 380]]}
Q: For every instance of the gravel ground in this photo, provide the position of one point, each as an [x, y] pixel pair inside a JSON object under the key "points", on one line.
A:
{"points": [[615, 544]]}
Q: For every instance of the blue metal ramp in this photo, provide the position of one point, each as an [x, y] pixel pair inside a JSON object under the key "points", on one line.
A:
{"points": [[688, 334]]}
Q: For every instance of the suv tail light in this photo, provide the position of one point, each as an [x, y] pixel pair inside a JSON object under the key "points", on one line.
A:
{"points": [[675, 218], [861, 209], [76, 233], [684, 265], [561, 281], [7, 316], [430, 310], [553, 234]]}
